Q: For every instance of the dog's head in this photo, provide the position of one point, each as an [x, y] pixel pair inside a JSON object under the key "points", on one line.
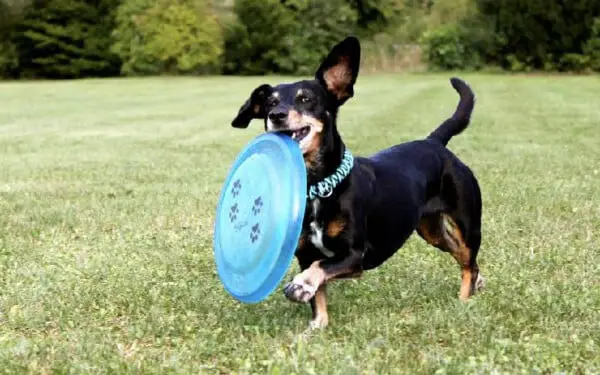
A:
{"points": [[307, 109]]}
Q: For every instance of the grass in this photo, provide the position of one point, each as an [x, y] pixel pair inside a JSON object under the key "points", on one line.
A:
{"points": [[107, 197]]}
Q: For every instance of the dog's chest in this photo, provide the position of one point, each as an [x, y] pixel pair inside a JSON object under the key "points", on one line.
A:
{"points": [[315, 234]]}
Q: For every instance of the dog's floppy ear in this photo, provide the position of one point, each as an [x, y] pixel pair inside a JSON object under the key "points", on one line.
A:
{"points": [[339, 70], [253, 108]]}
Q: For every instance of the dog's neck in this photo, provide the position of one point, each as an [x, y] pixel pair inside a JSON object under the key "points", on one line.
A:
{"points": [[329, 157]]}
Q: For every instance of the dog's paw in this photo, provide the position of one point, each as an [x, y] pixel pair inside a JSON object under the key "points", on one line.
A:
{"points": [[318, 323], [480, 282], [299, 291]]}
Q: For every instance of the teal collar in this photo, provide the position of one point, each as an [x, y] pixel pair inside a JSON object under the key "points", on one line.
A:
{"points": [[324, 188]]}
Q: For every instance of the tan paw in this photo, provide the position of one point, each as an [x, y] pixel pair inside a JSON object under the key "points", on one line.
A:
{"points": [[299, 290], [318, 323]]}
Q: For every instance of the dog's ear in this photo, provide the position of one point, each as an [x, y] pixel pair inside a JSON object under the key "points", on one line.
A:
{"points": [[339, 70], [253, 108]]}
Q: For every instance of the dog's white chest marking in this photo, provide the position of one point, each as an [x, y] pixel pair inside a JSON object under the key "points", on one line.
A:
{"points": [[316, 230]]}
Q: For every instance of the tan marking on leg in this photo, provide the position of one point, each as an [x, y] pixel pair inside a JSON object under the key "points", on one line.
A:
{"points": [[428, 229], [453, 237], [335, 227], [303, 286], [339, 273], [455, 243], [320, 316], [301, 242], [309, 280], [314, 275], [465, 285]]}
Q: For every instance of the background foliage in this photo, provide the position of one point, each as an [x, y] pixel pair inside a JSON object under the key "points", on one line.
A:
{"points": [[65, 38], [78, 38], [541, 35], [254, 43], [164, 36]]}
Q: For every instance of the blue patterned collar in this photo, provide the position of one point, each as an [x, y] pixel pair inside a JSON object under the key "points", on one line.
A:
{"points": [[324, 188]]}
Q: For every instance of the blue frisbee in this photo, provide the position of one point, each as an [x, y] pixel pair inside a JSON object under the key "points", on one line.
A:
{"points": [[259, 217]]}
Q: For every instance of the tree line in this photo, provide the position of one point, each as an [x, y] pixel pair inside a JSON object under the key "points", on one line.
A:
{"points": [[101, 38]]}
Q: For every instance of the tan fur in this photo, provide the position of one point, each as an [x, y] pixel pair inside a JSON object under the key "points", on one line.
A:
{"points": [[314, 275], [311, 155], [321, 316], [312, 143], [465, 285], [335, 227], [301, 242], [295, 119], [427, 229], [442, 231], [339, 78]]}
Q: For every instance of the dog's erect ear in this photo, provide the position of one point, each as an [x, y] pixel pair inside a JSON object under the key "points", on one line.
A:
{"points": [[339, 70], [253, 108]]}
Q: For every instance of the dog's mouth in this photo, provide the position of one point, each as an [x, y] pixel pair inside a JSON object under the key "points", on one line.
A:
{"points": [[297, 134]]}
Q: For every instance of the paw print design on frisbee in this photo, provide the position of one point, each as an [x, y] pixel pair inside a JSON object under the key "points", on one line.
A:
{"points": [[233, 212], [258, 203], [237, 186], [255, 232]]}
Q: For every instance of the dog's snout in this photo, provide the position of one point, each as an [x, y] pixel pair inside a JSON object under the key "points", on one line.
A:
{"points": [[278, 115]]}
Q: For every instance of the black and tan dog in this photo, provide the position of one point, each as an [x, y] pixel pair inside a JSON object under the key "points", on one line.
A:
{"points": [[367, 216]]}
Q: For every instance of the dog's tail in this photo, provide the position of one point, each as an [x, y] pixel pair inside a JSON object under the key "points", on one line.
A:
{"points": [[461, 117]]}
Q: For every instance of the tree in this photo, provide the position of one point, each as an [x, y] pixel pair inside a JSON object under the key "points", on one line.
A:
{"points": [[163, 36], [66, 39], [290, 36], [539, 34], [255, 42], [10, 14], [320, 24], [375, 16]]}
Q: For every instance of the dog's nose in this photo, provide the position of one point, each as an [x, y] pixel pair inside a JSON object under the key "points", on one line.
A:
{"points": [[278, 116]]}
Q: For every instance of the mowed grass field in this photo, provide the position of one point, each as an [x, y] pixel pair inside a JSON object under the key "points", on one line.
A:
{"points": [[107, 196]]}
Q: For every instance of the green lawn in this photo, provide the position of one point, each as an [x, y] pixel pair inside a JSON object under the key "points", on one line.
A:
{"points": [[107, 198]]}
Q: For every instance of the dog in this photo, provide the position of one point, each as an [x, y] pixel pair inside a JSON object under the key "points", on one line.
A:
{"points": [[361, 211]]}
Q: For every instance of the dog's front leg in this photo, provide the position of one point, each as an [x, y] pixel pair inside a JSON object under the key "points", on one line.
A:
{"points": [[304, 286], [309, 285], [318, 304]]}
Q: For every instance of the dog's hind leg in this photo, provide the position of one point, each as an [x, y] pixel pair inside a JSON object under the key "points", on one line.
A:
{"points": [[442, 231], [465, 254]]}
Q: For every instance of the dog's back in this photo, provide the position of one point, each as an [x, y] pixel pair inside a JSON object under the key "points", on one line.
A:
{"points": [[409, 179]]}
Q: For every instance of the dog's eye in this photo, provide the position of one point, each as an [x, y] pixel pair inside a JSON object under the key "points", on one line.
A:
{"points": [[272, 102], [304, 99]]}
